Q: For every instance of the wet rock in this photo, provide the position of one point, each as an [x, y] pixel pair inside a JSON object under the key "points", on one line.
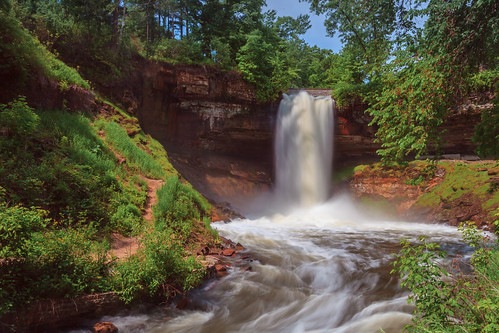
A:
{"points": [[105, 327], [228, 252], [182, 304], [239, 247], [220, 268]]}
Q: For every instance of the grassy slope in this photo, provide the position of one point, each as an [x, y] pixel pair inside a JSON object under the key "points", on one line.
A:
{"points": [[69, 180]]}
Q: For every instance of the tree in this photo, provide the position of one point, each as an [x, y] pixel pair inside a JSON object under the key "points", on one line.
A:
{"points": [[363, 26]]}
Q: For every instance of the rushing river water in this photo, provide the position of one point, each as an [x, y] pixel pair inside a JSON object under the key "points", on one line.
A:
{"points": [[320, 269], [317, 267]]}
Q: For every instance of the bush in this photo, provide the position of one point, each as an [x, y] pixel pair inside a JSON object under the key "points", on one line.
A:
{"points": [[17, 223], [40, 264], [158, 269], [178, 207], [18, 119], [127, 218], [454, 302]]}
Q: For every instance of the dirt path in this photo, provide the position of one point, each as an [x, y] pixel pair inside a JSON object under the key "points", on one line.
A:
{"points": [[152, 199], [121, 246]]}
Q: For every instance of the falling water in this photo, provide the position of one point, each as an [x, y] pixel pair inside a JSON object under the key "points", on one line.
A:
{"points": [[304, 148]]}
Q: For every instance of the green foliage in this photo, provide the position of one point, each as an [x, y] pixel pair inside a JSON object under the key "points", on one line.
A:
{"points": [[62, 166], [423, 277], [127, 218], [411, 106], [255, 64], [268, 66], [453, 302], [17, 223], [178, 51], [160, 268], [38, 264], [487, 131], [18, 119], [179, 207], [5, 5], [135, 157], [23, 56]]}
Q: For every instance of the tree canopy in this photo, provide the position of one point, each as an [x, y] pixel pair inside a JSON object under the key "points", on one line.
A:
{"points": [[410, 61]]}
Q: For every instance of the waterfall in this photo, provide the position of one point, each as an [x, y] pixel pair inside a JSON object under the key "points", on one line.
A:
{"points": [[304, 149]]}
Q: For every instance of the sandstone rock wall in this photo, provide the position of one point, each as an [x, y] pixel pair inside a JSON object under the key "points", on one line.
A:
{"points": [[215, 132], [221, 139]]}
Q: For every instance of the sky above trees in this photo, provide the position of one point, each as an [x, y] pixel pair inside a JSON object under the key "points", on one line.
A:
{"points": [[316, 35]]}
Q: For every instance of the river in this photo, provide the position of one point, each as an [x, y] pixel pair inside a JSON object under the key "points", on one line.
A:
{"points": [[325, 268]]}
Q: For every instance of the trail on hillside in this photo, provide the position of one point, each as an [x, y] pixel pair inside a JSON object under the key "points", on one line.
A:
{"points": [[122, 246]]}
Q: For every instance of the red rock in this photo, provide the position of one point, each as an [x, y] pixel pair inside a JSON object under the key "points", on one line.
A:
{"points": [[105, 327], [239, 247], [220, 268], [228, 252]]}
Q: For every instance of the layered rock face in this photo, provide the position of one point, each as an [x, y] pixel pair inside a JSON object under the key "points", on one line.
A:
{"points": [[221, 139], [215, 132]]}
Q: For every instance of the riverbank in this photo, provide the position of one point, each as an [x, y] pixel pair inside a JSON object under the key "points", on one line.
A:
{"points": [[447, 191]]}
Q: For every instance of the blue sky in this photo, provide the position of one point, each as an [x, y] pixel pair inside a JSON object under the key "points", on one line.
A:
{"points": [[316, 35]]}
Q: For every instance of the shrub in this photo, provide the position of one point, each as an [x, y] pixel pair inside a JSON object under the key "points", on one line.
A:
{"points": [[454, 302], [178, 207], [158, 269], [127, 218], [18, 118], [39, 264], [16, 225]]}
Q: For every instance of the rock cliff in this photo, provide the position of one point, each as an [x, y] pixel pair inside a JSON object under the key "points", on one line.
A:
{"points": [[221, 139], [215, 132]]}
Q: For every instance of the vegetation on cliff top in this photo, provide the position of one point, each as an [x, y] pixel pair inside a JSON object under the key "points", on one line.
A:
{"points": [[410, 75], [448, 190]]}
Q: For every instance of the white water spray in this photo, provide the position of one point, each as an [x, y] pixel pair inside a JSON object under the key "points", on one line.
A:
{"points": [[304, 149]]}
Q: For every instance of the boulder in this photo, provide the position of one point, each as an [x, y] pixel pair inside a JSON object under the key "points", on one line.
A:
{"points": [[105, 327]]}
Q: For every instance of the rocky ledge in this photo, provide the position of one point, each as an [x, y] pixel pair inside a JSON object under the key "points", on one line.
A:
{"points": [[448, 192]]}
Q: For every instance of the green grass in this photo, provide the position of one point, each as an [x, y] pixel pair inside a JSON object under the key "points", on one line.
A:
{"points": [[136, 158], [461, 179], [179, 207], [23, 56]]}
